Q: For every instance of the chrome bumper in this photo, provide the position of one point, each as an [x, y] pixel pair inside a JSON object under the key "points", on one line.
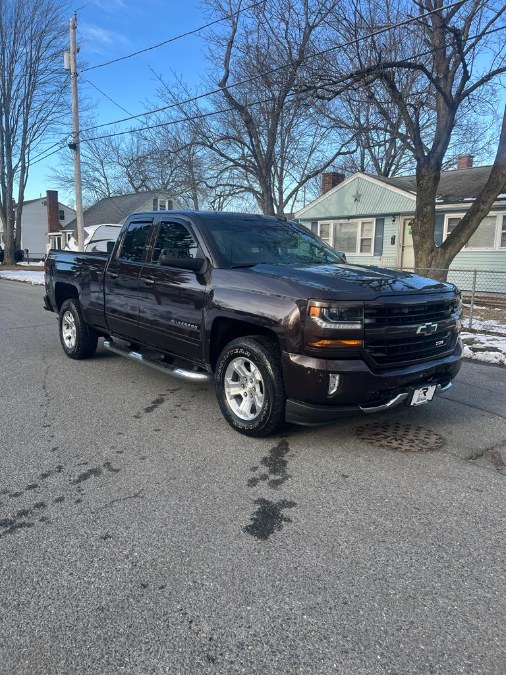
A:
{"points": [[400, 398]]}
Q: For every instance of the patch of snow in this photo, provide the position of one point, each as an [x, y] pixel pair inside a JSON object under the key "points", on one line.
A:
{"points": [[487, 348], [486, 324], [39, 263], [29, 277]]}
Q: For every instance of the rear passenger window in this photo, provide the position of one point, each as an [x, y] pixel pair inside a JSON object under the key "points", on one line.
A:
{"points": [[134, 242], [176, 240]]}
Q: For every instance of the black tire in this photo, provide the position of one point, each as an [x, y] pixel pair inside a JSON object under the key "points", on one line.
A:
{"points": [[264, 354], [84, 343]]}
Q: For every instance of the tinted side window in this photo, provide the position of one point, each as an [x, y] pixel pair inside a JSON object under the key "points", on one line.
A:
{"points": [[176, 240], [134, 242]]}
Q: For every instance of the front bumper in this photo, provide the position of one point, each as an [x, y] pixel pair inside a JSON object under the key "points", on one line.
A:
{"points": [[308, 414], [360, 389]]}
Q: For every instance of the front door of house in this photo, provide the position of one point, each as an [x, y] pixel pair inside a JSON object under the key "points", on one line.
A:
{"points": [[407, 250]]}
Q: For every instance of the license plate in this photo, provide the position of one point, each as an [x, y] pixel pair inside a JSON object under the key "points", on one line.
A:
{"points": [[423, 395]]}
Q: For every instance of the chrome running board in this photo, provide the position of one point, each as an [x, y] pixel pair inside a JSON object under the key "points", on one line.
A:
{"points": [[180, 373]]}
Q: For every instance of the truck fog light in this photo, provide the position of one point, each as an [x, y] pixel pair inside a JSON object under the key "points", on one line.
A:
{"points": [[334, 380]]}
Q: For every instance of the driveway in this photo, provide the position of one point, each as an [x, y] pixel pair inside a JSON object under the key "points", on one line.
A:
{"points": [[140, 534]]}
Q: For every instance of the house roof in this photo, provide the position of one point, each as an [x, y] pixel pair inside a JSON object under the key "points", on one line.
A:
{"points": [[116, 209], [455, 186]]}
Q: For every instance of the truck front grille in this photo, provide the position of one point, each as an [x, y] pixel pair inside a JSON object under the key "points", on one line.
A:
{"points": [[392, 334], [389, 350], [409, 315]]}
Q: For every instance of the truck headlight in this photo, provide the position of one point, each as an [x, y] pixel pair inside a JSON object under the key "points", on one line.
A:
{"points": [[334, 325], [338, 317]]}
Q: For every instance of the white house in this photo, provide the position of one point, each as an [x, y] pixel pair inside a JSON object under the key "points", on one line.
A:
{"points": [[40, 217]]}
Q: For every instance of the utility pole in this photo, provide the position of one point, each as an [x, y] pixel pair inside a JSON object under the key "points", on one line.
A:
{"points": [[75, 145]]}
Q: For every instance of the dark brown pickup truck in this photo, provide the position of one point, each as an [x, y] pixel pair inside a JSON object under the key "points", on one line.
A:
{"points": [[284, 326]]}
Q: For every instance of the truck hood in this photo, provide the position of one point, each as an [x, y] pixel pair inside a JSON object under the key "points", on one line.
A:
{"points": [[355, 282]]}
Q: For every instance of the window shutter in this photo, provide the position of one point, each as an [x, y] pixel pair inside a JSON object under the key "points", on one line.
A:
{"points": [[378, 236], [170, 206], [438, 228], [155, 204], [314, 226]]}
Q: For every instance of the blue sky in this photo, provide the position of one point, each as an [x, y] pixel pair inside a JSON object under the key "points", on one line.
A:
{"points": [[108, 29]]}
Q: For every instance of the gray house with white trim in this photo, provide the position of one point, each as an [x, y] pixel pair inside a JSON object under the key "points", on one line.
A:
{"points": [[115, 210]]}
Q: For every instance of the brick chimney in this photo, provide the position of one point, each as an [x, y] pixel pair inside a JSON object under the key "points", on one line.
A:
{"points": [[330, 180], [53, 211], [465, 161]]}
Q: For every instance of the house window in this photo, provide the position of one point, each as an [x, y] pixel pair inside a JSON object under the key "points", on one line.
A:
{"points": [[491, 232], [62, 214], [324, 232], [355, 237], [55, 242], [162, 204]]}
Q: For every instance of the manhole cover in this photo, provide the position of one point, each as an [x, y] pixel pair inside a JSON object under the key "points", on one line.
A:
{"points": [[402, 437]]}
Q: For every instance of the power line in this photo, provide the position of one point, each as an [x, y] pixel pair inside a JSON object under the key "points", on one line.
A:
{"points": [[36, 161], [107, 96], [86, 4], [209, 93], [176, 37], [170, 122], [58, 143], [190, 118], [274, 70]]}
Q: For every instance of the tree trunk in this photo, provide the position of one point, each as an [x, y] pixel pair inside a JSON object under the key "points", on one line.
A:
{"points": [[427, 181]]}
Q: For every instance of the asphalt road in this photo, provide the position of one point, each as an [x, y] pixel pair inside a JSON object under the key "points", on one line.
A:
{"points": [[140, 534]]}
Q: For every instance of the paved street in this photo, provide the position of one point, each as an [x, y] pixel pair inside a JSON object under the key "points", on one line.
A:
{"points": [[140, 534]]}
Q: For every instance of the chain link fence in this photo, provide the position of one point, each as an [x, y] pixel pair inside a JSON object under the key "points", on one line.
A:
{"points": [[483, 293]]}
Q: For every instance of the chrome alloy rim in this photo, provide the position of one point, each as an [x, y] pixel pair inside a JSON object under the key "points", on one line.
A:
{"points": [[68, 330], [244, 389]]}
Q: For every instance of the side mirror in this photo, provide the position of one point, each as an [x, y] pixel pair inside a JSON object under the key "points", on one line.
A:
{"points": [[179, 258], [110, 246], [343, 255]]}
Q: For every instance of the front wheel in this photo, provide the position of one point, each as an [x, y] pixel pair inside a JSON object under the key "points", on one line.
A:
{"points": [[249, 386], [79, 341]]}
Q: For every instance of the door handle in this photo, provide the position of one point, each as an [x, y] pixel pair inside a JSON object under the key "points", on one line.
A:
{"points": [[148, 282], [113, 275]]}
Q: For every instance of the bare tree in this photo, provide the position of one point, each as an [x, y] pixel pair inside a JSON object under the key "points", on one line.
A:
{"points": [[32, 102], [453, 54], [267, 140]]}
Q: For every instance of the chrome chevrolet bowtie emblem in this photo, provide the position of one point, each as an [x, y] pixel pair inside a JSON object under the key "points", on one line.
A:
{"points": [[427, 329]]}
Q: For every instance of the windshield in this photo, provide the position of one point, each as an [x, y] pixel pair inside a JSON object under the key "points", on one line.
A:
{"points": [[253, 242]]}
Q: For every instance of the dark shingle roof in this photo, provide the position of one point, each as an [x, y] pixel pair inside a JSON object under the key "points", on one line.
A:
{"points": [[116, 209], [455, 186]]}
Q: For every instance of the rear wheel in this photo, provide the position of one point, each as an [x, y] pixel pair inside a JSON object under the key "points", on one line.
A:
{"points": [[249, 386], [79, 341]]}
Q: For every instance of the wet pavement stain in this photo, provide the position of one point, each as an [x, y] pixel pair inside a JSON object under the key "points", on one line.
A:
{"points": [[276, 465], [156, 403], [19, 519], [15, 527], [268, 518], [86, 475]]}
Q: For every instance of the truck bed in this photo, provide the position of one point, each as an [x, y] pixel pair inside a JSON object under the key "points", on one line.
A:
{"points": [[68, 268]]}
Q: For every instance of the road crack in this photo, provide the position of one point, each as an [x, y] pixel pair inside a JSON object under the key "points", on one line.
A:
{"points": [[136, 495]]}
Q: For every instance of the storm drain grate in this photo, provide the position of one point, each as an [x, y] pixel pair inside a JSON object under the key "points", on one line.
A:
{"points": [[401, 437]]}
